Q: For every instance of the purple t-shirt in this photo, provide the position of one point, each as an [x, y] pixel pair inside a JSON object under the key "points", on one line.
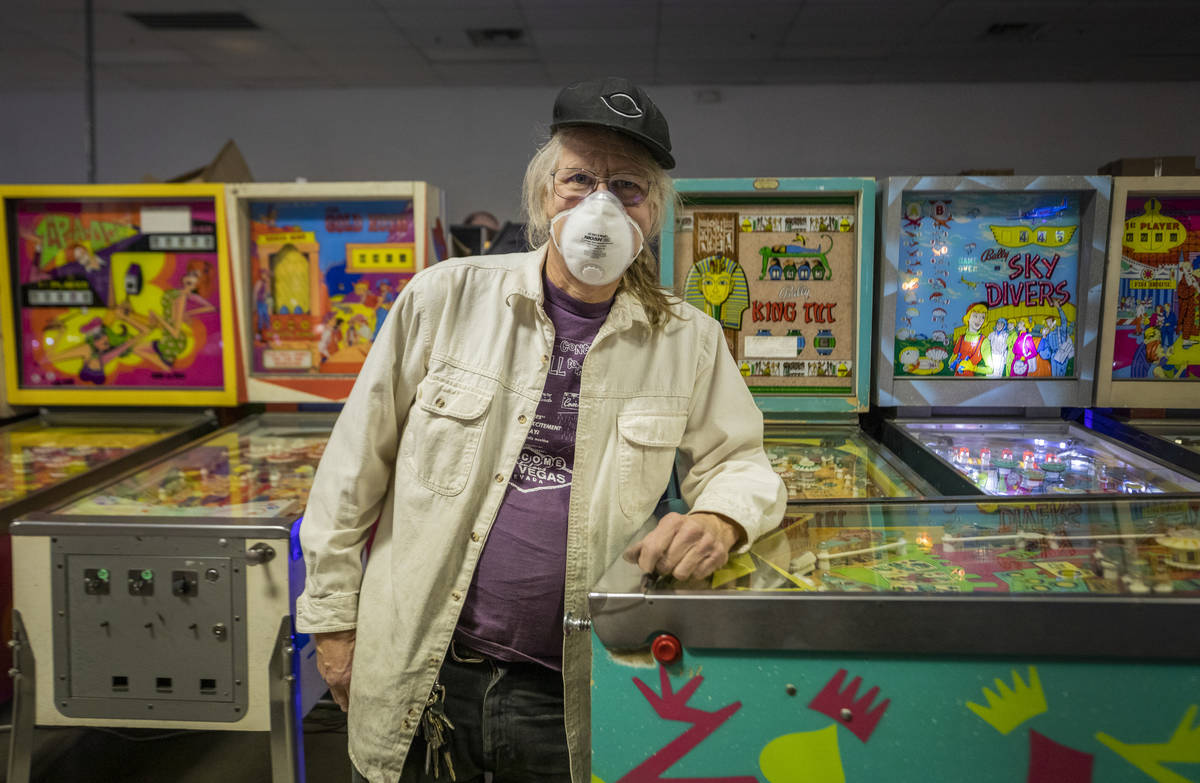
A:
{"points": [[514, 608]]}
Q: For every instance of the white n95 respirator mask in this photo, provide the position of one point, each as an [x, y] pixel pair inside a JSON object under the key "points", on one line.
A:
{"points": [[598, 239]]}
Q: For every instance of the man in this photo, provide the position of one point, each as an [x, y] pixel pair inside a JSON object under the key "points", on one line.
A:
{"points": [[1057, 345], [514, 424]]}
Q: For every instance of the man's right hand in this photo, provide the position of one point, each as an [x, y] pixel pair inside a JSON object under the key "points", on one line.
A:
{"points": [[335, 657]]}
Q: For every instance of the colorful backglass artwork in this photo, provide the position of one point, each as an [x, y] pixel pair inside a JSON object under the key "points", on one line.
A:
{"points": [[1157, 328], [988, 285], [323, 275], [782, 280], [118, 295]]}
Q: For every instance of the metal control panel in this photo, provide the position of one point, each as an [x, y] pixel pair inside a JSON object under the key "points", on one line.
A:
{"points": [[149, 627]]}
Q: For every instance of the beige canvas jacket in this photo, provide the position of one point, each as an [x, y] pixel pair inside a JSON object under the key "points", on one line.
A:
{"points": [[429, 437]]}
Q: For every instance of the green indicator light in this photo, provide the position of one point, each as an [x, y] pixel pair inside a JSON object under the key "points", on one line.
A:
{"points": [[147, 574], [102, 574]]}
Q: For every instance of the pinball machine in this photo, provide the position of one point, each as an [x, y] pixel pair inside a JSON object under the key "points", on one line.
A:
{"points": [[786, 266], [117, 325], [988, 331], [1150, 331], [165, 597]]}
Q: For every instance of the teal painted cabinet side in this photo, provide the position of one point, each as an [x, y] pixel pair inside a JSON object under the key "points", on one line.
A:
{"points": [[740, 716]]}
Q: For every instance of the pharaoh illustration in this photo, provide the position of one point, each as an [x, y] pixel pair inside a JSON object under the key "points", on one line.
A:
{"points": [[717, 285]]}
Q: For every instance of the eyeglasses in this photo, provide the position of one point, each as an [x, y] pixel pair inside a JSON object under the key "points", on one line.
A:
{"points": [[629, 189]]}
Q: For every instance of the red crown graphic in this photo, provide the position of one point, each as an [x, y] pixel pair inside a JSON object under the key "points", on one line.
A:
{"points": [[853, 713]]}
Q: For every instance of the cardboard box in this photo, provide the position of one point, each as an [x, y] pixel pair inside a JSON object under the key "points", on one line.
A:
{"points": [[227, 166], [1164, 166]]}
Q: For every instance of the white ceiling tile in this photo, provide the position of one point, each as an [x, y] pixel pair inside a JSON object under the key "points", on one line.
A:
{"points": [[250, 7], [411, 42], [497, 74], [707, 71], [285, 18], [561, 73], [825, 71], [452, 17], [365, 58], [718, 35], [628, 14], [814, 16], [603, 58], [604, 38], [833, 51], [765, 13]]}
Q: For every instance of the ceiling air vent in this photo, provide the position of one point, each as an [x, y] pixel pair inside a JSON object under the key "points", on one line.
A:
{"points": [[496, 37], [195, 20]]}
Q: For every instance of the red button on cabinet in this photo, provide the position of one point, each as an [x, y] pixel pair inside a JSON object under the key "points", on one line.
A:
{"points": [[666, 648]]}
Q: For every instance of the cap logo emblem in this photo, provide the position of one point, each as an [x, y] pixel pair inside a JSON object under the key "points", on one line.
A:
{"points": [[622, 103]]}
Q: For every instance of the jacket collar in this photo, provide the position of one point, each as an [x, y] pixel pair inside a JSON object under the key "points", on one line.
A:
{"points": [[525, 281]]}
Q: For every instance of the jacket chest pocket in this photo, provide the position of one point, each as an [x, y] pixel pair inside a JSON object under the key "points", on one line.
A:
{"points": [[646, 450], [442, 433]]}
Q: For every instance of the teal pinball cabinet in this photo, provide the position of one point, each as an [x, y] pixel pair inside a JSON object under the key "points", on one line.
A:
{"points": [[996, 642]]}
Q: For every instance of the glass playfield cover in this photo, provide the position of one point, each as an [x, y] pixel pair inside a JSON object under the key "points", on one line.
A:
{"points": [[837, 463], [33, 456], [1050, 457], [261, 472]]}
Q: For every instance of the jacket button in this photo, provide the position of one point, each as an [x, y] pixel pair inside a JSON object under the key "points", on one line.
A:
{"points": [[440, 402], [522, 418], [456, 596], [499, 478], [474, 536], [545, 358], [406, 725]]}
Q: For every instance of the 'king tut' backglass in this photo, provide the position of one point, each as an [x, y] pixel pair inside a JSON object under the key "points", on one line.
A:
{"points": [[780, 271]]}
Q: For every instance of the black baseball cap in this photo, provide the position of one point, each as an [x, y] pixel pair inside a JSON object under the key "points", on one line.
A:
{"points": [[617, 104]]}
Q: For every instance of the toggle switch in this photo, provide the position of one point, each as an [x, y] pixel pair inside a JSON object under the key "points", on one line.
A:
{"points": [[96, 581], [141, 582], [185, 583]]}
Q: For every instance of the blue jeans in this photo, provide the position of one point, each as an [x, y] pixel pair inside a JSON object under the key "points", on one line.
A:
{"points": [[508, 720]]}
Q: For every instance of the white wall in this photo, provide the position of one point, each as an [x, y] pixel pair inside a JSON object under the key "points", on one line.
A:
{"points": [[474, 143]]}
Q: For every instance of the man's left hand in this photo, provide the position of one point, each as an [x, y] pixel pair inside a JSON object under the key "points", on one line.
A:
{"points": [[686, 546]]}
